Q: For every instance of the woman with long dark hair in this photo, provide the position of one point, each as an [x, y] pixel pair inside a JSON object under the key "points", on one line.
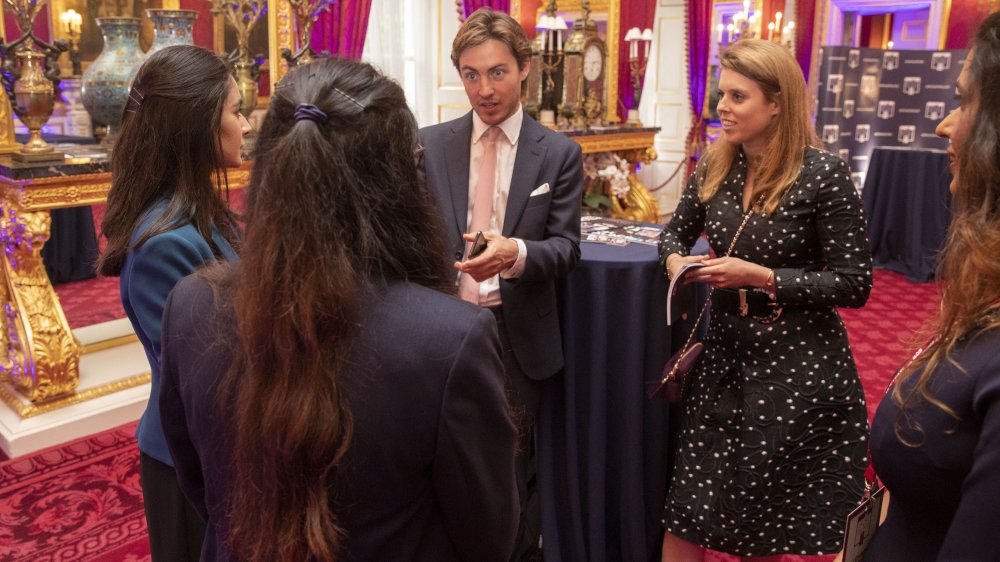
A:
{"points": [[165, 218], [326, 398], [936, 437]]}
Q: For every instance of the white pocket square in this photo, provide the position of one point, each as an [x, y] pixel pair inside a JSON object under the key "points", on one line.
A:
{"points": [[542, 189]]}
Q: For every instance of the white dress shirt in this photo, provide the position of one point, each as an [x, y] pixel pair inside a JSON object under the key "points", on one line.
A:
{"points": [[489, 289]]}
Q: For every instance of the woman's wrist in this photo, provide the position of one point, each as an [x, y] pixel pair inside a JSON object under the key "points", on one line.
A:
{"points": [[666, 264]]}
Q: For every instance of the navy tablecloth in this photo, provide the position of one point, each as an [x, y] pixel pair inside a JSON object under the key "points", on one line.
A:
{"points": [[603, 446], [71, 251], [908, 205]]}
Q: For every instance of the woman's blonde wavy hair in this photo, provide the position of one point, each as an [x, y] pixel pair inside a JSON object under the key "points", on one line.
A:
{"points": [[968, 271], [777, 73]]}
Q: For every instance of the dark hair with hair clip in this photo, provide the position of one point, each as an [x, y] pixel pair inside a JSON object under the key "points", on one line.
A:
{"points": [[170, 149], [335, 210]]}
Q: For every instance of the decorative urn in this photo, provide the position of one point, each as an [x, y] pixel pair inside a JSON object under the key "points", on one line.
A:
{"points": [[107, 81]]}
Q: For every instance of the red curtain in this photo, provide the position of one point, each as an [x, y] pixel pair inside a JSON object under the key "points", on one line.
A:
{"points": [[466, 7], [634, 13], [699, 22], [964, 19], [41, 25], [341, 29], [204, 26], [805, 22]]}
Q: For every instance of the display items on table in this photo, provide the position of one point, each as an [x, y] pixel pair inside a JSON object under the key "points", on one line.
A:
{"points": [[638, 57], [171, 27], [306, 13], [107, 81], [30, 74]]}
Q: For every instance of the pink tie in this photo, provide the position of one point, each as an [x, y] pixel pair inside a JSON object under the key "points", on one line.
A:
{"points": [[482, 208]]}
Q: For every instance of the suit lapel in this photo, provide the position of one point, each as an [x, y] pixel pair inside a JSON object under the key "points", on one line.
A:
{"points": [[528, 162], [457, 151]]}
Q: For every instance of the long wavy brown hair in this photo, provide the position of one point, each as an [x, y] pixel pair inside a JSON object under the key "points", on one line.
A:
{"points": [[968, 270], [774, 69], [335, 211], [169, 148]]}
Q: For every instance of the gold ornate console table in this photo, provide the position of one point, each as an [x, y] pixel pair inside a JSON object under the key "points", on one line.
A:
{"points": [[38, 354], [633, 145]]}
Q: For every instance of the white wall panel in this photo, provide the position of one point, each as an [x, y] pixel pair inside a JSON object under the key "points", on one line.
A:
{"points": [[671, 67], [449, 95], [665, 102]]}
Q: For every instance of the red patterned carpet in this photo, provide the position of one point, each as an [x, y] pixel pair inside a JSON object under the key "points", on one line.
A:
{"points": [[77, 502], [82, 501]]}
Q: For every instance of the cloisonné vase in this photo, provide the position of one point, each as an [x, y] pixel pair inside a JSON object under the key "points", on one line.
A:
{"points": [[107, 80], [171, 27]]}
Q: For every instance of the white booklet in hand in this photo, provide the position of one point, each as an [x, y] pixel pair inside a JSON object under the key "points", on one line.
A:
{"points": [[676, 282]]}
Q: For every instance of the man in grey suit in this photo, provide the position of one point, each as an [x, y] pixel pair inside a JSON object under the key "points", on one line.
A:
{"points": [[497, 171]]}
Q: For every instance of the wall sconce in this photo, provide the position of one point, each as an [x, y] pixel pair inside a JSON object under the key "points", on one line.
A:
{"points": [[637, 67], [71, 23]]}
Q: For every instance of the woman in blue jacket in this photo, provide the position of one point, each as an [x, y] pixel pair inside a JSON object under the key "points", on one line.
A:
{"points": [[181, 129]]}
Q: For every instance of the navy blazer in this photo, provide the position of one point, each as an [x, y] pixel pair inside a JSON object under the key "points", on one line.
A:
{"points": [[147, 276], [548, 223], [944, 481], [429, 475]]}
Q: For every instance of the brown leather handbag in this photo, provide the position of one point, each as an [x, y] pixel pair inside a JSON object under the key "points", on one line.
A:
{"points": [[673, 385]]}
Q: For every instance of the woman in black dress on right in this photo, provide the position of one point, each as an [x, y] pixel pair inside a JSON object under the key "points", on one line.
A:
{"points": [[936, 436], [772, 447]]}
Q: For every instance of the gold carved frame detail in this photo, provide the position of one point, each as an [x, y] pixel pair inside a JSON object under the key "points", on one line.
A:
{"points": [[39, 356]]}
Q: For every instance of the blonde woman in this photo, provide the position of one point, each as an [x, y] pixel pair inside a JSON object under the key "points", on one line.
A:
{"points": [[771, 450]]}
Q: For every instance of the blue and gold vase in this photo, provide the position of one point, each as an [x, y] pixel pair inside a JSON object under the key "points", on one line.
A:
{"points": [[107, 81], [171, 27]]}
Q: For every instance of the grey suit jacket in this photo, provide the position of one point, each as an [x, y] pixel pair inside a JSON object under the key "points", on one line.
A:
{"points": [[549, 225]]}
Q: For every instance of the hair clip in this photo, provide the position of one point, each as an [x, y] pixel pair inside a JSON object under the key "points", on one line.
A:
{"points": [[134, 97], [352, 100]]}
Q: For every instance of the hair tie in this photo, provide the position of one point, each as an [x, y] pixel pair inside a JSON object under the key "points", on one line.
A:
{"points": [[310, 112]]}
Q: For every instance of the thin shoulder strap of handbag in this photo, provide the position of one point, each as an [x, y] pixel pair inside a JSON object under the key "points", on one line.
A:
{"points": [[708, 301]]}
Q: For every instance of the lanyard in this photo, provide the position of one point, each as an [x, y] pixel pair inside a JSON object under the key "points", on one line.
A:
{"points": [[871, 479]]}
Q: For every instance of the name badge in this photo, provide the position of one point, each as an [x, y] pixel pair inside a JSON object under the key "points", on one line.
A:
{"points": [[861, 526]]}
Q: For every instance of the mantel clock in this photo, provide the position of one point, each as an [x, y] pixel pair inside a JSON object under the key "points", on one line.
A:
{"points": [[584, 74]]}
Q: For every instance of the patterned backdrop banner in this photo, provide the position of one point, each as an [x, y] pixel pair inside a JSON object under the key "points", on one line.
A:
{"points": [[873, 97]]}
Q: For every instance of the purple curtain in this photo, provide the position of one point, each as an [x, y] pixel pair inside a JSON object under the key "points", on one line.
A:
{"points": [[699, 20], [340, 30], [634, 13], [466, 7], [805, 22]]}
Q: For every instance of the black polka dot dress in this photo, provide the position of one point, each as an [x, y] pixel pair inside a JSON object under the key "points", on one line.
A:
{"points": [[772, 445]]}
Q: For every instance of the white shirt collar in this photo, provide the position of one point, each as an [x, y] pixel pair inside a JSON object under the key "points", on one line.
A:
{"points": [[511, 126]]}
